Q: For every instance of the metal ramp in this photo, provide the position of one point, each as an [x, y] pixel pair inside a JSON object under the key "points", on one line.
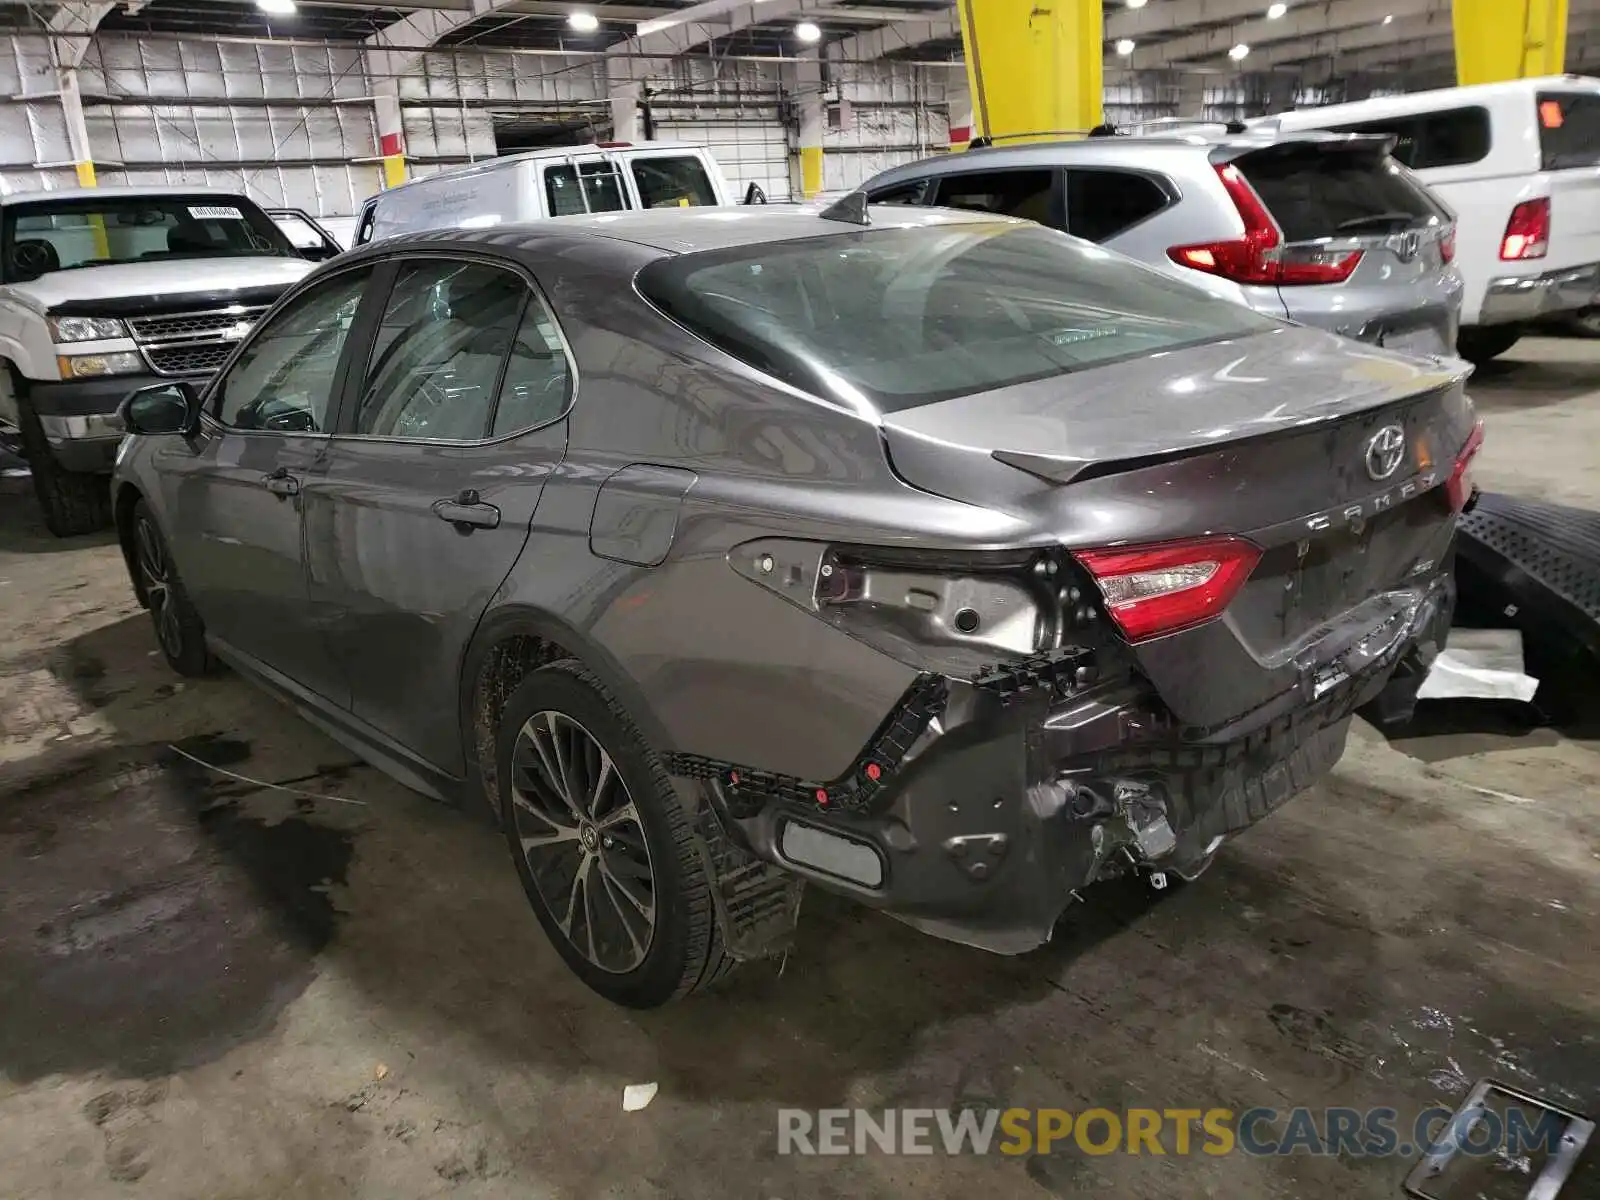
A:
{"points": [[1536, 567]]}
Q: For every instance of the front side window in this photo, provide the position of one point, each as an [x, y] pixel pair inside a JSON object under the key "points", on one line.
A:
{"points": [[40, 236], [441, 345], [1569, 129], [283, 380], [1028, 194], [677, 182], [1103, 203], [915, 192], [570, 189], [893, 318]]}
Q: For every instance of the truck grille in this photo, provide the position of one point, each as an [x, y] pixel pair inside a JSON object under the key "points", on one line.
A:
{"points": [[194, 343], [196, 358]]}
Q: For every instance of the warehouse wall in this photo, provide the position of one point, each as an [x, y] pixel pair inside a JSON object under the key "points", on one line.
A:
{"points": [[294, 123]]}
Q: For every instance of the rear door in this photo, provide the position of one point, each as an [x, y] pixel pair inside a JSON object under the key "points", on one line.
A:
{"points": [[430, 485], [1370, 249], [1569, 149]]}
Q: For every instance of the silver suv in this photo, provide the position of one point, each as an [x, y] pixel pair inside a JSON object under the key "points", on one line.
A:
{"points": [[1325, 229]]}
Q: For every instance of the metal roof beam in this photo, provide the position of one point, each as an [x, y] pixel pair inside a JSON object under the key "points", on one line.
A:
{"points": [[904, 35], [73, 26], [1300, 24]]}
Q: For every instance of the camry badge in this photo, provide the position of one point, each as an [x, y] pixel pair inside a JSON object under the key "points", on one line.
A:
{"points": [[1386, 450]]}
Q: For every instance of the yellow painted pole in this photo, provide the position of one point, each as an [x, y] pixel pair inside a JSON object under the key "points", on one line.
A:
{"points": [[1033, 66], [1509, 39]]}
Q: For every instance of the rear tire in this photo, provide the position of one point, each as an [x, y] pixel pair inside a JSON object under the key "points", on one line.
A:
{"points": [[179, 631], [1484, 343], [73, 503], [605, 850]]}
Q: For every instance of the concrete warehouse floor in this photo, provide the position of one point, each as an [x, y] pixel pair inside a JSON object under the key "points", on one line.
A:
{"points": [[212, 990]]}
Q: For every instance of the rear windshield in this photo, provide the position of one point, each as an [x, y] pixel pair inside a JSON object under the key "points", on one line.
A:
{"points": [[1569, 129], [893, 318], [1313, 192]]}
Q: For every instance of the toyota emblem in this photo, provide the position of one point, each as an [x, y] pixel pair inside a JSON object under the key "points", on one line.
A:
{"points": [[1386, 450]]}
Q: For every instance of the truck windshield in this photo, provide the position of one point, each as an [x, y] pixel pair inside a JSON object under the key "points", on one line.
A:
{"points": [[893, 318], [59, 235]]}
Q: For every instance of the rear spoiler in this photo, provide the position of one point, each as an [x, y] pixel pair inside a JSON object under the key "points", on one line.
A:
{"points": [[1317, 139]]}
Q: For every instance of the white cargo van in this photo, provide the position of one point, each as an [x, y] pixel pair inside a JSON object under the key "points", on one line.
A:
{"points": [[559, 182], [1519, 162]]}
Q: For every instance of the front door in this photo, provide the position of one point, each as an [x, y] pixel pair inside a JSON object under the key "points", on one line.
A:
{"points": [[236, 500], [430, 487]]}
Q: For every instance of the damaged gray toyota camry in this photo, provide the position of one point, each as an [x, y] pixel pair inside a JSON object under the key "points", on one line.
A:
{"points": [[939, 560]]}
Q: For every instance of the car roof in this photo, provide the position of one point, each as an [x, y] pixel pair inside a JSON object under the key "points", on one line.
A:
{"points": [[1438, 98], [112, 193], [691, 230], [1200, 139], [484, 165]]}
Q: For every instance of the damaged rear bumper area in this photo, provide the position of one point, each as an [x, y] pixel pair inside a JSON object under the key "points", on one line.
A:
{"points": [[984, 804]]}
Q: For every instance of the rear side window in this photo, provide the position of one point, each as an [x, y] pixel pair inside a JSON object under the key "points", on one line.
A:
{"points": [[1569, 129], [672, 182], [893, 318], [1314, 192], [1452, 138], [436, 361], [601, 189], [1101, 204], [1029, 194]]}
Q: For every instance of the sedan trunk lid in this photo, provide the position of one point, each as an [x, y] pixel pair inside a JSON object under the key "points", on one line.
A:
{"points": [[1329, 456]]}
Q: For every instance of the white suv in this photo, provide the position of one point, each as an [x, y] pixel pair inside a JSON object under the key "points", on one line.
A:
{"points": [[1519, 163], [104, 290]]}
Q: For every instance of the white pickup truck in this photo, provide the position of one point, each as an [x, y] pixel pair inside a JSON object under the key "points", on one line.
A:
{"points": [[104, 290]]}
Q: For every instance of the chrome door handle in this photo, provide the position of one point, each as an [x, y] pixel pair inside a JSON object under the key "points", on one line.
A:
{"points": [[467, 511], [281, 483]]}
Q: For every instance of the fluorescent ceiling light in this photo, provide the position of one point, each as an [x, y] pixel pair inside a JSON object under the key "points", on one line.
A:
{"points": [[583, 20], [1137, 3], [1276, 11], [1389, 20], [1125, 47], [807, 31], [281, 8], [1238, 52]]}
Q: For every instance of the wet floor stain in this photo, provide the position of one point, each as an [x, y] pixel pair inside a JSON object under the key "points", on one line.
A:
{"points": [[149, 918]]}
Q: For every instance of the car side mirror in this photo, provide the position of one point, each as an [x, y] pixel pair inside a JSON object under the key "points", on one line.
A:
{"points": [[162, 408], [754, 195]]}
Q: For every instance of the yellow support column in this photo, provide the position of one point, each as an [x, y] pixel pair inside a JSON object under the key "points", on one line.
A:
{"points": [[1033, 66], [1509, 39]]}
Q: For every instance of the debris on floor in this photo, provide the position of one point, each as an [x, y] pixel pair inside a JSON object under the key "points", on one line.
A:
{"points": [[637, 1095], [1480, 664]]}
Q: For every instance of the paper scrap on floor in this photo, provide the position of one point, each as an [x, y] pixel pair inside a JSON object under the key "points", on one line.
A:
{"points": [[1480, 664]]}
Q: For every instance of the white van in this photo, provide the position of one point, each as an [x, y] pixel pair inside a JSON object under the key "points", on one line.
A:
{"points": [[1519, 162], [559, 182]]}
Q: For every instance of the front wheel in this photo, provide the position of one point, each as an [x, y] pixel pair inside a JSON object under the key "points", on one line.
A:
{"points": [[1482, 343], [73, 502], [179, 630], [606, 852]]}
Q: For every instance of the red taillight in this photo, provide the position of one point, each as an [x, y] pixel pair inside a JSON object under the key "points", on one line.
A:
{"points": [[1458, 488], [1528, 231], [1260, 257], [1447, 245], [1153, 590]]}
